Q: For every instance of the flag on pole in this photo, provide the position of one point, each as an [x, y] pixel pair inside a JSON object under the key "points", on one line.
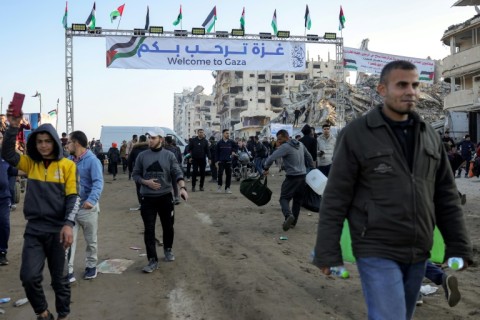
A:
{"points": [[52, 113], [274, 22], [179, 17], [242, 20], [91, 19], [117, 13], [308, 21], [209, 23], [341, 18], [65, 16], [147, 19]]}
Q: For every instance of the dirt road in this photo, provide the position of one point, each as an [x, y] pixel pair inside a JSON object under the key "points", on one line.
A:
{"points": [[230, 264]]}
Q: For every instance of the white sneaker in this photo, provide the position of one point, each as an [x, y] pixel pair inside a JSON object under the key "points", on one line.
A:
{"points": [[228, 190], [219, 189]]}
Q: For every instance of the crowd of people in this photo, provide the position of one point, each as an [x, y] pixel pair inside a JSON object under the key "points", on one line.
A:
{"points": [[388, 175]]}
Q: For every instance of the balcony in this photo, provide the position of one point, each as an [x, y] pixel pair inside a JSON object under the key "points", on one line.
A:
{"points": [[462, 99], [461, 63]]}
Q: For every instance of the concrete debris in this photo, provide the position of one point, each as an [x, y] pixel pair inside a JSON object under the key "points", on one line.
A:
{"points": [[316, 99]]}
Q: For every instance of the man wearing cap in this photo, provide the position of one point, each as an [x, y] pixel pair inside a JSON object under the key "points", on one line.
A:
{"points": [[154, 169]]}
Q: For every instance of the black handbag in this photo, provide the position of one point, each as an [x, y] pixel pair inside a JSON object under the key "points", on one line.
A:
{"points": [[256, 191], [311, 200]]}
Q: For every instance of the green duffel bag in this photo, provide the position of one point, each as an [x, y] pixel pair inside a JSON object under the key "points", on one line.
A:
{"points": [[256, 191]]}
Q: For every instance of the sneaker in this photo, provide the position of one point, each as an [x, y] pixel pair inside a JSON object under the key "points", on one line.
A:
{"points": [[48, 317], [71, 278], [219, 189], [193, 189], [90, 273], [201, 189], [176, 201], [450, 286], [169, 257], [3, 259], [152, 266], [288, 222], [227, 190], [13, 207], [420, 300], [188, 179]]}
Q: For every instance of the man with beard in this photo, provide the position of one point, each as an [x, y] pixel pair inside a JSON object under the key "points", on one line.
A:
{"points": [[153, 170], [199, 151]]}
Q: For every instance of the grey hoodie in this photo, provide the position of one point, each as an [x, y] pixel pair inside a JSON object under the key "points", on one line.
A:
{"points": [[294, 155]]}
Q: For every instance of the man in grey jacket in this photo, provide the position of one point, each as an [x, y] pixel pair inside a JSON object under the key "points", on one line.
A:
{"points": [[391, 179], [295, 159], [153, 170]]}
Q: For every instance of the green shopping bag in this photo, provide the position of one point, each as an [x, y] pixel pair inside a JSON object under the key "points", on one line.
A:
{"points": [[437, 254]]}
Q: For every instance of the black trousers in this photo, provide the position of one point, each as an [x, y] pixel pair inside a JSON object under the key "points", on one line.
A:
{"points": [[227, 167], [163, 206], [293, 187], [37, 248], [124, 165], [198, 164], [213, 170]]}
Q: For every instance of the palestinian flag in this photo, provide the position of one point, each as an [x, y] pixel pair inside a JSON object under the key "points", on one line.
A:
{"points": [[209, 23], [274, 22], [117, 13], [124, 49], [350, 64], [179, 17], [242, 20], [52, 113], [65, 16], [308, 21], [341, 18], [91, 19], [426, 76]]}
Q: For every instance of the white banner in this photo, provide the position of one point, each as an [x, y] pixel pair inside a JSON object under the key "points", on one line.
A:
{"points": [[204, 54], [373, 62]]}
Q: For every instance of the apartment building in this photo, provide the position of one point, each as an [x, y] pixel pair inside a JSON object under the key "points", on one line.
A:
{"points": [[192, 110], [462, 69]]}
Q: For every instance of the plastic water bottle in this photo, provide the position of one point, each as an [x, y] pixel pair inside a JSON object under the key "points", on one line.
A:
{"points": [[455, 263], [340, 272]]}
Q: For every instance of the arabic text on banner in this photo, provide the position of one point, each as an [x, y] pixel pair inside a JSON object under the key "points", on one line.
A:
{"points": [[204, 54], [373, 62]]}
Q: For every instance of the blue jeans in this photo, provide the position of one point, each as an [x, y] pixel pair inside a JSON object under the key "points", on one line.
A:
{"points": [[258, 165], [390, 288], [434, 273]]}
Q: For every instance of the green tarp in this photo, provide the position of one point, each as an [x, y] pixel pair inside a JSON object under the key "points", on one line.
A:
{"points": [[436, 255]]}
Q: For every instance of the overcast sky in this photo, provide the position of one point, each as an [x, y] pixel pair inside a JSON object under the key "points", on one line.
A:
{"points": [[32, 55]]}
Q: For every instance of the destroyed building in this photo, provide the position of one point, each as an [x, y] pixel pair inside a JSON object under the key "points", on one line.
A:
{"points": [[462, 70]]}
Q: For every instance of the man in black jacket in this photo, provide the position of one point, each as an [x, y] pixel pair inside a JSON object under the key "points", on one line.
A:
{"points": [[309, 142], [391, 179], [142, 145], [199, 152], [225, 150]]}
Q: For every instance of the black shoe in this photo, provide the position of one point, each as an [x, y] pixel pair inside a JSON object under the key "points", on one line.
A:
{"points": [[48, 317], [463, 199], [450, 286], [193, 189], [288, 222], [201, 189], [3, 259]]}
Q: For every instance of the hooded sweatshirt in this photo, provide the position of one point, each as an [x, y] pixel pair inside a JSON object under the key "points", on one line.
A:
{"points": [[51, 199], [294, 155]]}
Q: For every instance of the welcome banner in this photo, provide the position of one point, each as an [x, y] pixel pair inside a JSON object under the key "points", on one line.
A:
{"points": [[204, 54], [373, 62]]}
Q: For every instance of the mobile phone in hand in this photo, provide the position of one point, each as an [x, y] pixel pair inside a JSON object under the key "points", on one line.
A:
{"points": [[17, 103]]}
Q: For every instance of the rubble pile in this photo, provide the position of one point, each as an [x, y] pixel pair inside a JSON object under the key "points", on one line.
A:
{"points": [[316, 99]]}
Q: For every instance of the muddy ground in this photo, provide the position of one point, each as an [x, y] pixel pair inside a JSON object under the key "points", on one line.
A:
{"points": [[230, 264]]}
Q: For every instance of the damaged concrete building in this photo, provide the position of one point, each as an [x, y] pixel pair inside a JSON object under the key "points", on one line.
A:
{"points": [[462, 70], [192, 110], [247, 101]]}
